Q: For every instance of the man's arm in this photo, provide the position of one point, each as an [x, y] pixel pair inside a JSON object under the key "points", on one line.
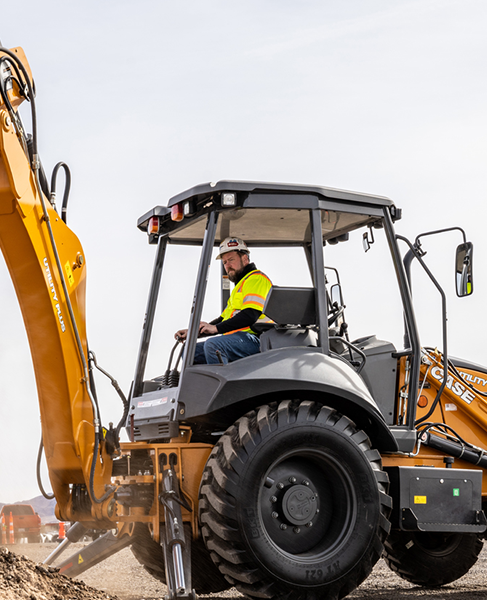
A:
{"points": [[245, 318]]}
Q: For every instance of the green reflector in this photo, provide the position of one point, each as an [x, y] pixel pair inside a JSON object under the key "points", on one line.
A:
{"points": [[456, 491]]}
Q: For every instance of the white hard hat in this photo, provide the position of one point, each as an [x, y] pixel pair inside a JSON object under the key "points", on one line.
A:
{"points": [[232, 243]]}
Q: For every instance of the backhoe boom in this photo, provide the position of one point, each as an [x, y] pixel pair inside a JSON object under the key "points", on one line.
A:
{"points": [[35, 242]]}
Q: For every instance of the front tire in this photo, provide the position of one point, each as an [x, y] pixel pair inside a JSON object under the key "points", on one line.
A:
{"points": [[431, 559], [294, 503]]}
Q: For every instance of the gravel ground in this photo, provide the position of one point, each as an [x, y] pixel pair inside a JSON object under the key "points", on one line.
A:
{"points": [[122, 576]]}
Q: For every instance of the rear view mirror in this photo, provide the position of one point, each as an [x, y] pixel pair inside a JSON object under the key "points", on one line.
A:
{"points": [[464, 269], [368, 239], [336, 294]]}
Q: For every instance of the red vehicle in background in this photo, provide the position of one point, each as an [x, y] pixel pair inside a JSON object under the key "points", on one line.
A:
{"points": [[27, 522]]}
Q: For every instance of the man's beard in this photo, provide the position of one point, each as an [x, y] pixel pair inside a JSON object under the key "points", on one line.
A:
{"points": [[235, 276]]}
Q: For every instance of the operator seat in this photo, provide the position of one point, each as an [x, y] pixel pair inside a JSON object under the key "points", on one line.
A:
{"points": [[293, 311]]}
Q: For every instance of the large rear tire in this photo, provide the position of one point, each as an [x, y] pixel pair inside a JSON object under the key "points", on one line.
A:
{"points": [[206, 578], [294, 503], [431, 559]]}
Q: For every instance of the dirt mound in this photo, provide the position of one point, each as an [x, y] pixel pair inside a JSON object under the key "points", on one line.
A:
{"points": [[23, 579]]}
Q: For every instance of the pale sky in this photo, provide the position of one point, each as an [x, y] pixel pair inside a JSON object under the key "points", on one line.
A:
{"points": [[145, 100]]}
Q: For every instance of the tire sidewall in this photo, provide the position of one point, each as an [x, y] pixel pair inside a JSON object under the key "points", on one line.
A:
{"points": [[407, 554], [348, 459]]}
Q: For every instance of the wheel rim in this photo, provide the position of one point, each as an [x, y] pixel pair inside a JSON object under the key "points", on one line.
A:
{"points": [[307, 504], [437, 544]]}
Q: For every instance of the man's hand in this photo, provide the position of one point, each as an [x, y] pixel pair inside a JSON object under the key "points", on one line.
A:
{"points": [[207, 329], [204, 329]]}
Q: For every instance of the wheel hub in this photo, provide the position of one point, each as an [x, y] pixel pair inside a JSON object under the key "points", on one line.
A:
{"points": [[299, 505], [296, 506]]}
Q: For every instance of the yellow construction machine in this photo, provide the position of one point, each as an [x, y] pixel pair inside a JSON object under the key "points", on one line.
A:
{"points": [[287, 473]]}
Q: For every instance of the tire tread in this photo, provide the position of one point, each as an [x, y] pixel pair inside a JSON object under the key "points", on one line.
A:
{"points": [[220, 530]]}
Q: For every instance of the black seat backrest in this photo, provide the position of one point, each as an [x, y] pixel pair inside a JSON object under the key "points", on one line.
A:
{"points": [[291, 306]]}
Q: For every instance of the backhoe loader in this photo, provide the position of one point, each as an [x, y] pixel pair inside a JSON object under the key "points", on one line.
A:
{"points": [[287, 473]]}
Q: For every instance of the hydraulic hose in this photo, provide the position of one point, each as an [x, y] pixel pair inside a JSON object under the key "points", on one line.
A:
{"points": [[67, 188], [31, 95], [119, 391], [38, 472]]}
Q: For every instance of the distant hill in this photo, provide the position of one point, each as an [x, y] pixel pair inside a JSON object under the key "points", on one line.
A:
{"points": [[44, 508]]}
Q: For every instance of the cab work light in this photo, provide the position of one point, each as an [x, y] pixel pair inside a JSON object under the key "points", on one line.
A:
{"points": [[188, 208], [177, 212], [229, 199]]}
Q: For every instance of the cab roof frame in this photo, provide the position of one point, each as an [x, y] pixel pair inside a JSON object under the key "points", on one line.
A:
{"points": [[206, 198]]}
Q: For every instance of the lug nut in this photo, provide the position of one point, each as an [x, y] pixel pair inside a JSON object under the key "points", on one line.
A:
{"points": [[274, 515], [273, 499], [310, 524], [292, 479], [283, 526], [280, 486], [296, 530], [305, 482]]}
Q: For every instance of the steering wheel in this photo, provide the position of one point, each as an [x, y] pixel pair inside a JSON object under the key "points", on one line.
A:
{"points": [[336, 313]]}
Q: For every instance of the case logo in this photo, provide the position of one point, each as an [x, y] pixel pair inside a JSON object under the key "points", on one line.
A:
{"points": [[473, 379], [455, 386]]}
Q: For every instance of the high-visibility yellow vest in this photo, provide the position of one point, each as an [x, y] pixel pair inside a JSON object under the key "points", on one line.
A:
{"points": [[250, 292]]}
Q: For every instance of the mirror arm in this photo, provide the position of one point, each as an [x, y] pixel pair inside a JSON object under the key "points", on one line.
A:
{"points": [[416, 241], [444, 322]]}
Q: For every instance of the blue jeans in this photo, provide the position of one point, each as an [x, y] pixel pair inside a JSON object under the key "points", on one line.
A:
{"points": [[232, 347]]}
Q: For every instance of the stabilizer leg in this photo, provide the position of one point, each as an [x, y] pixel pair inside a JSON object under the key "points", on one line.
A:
{"points": [[175, 543], [105, 546], [74, 533]]}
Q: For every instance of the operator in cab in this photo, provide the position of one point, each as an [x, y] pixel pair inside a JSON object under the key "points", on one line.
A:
{"points": [[238, 324]]}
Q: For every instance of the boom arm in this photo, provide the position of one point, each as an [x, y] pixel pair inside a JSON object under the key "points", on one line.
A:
{"points": [[47, 266]]}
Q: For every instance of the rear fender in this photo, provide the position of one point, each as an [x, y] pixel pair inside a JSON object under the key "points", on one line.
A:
{"points": [[227, 391]]}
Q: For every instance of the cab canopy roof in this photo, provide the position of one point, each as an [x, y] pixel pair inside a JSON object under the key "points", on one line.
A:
{"points": [[263, 213]]}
